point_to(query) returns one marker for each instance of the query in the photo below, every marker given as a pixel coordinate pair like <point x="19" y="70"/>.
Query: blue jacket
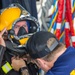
<point x="65" y="64"/>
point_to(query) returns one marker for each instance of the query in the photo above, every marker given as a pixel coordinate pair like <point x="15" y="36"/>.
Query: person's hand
<point x="17" y="63"/>
<point x="2" y="42"/>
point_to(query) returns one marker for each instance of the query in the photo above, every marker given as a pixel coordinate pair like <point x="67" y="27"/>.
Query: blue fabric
<point x="64" y="64"/>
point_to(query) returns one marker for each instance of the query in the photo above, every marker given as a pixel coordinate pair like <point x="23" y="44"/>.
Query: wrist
<point x="23" y="68"/>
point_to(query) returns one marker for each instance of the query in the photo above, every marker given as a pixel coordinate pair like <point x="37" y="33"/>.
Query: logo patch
<point x="72" y="72"/>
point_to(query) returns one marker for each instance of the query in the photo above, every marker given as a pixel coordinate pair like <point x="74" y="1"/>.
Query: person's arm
<point x="2" y="45"/>
<point x="2" y="50"/>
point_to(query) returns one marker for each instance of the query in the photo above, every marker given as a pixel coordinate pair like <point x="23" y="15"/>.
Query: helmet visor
<point x="24" y="28"/>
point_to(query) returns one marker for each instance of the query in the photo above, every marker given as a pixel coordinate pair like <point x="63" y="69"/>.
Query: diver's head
<point x="20" y="26"/>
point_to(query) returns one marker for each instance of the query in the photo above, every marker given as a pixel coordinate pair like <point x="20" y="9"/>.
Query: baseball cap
<point x="37" y="44"/>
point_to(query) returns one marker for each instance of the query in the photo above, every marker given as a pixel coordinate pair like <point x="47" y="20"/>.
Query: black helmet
<point x="37" y="44"/>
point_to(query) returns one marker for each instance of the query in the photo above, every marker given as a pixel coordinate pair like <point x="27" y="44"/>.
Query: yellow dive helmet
<point x="10" y="17"/>
<point x="10" y="14"/>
